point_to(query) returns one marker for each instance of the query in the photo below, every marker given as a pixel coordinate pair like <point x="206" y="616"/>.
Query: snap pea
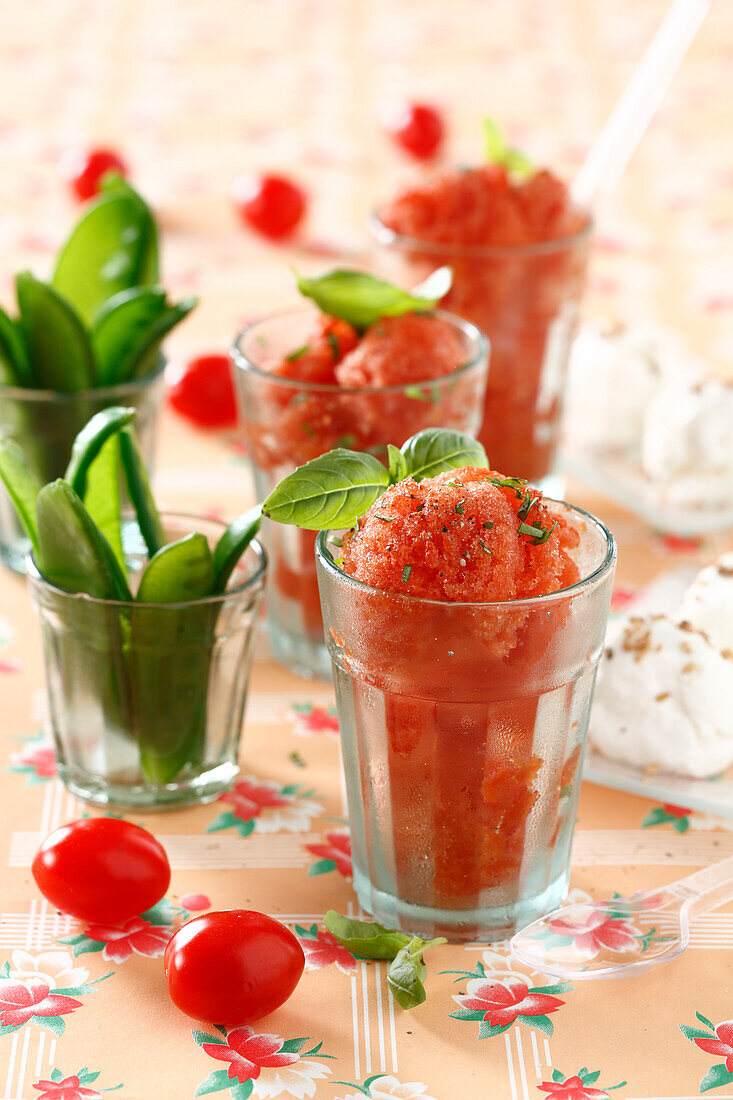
<point x="91" y="439"/>
<point x="59" y="351"/>
<point x="232" y="545"/>
<point x="139" y="491"/>
<point x="23" y="484"/>
<point x="14" y="366"/>
<point x="102" y="495"/>
<point x="118" y="328"/>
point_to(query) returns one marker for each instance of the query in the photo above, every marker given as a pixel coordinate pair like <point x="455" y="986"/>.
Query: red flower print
<point x="249" y="1053"/>
<point x="249" y="798"/>
<point x="337" y="848"/>
<point x="572" y="1088"/>
<point x="195" y="902"/>
<point x="325" y="950"/>
<point x="136" y="934"/>
<point x="312" y="720"/>
<point x="623" y="595"/>
<point x="11" y="664"/>
<point x="19" y="1001"/>
<point x="675" y="811"/>
<point x="722" y="1046"/>
<point x="597" y="931"/>
<point x="68" y="1088"/>
<point x="39" y="758"/>
<point x="502" y="1002"/>
<point x="677" y="544"/>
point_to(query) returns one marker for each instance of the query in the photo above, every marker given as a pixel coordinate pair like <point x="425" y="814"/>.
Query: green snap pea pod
<point x="90" y="657"/>
<point x="89" y="443"/>
<point x="111" y="248"/>
<point x="170" y="653"/>
<point x="59" y="351"/>
<point x="23" y="484"/>
<point x="232" y="545"/>
<point x="118" y="328"/>
<point x="14" y="366"/>
<point x="102" y="495"/>
<point x="139" y="491"/>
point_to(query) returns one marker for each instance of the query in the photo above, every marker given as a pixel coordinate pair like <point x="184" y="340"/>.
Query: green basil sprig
<point x="363" y="299"/>
<point x="337" y="488"/>
<point x="368" y="940"/>
<point x="498" y="152"/>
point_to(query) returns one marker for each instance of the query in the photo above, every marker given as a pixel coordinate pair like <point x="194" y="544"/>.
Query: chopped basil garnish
<point x="406" y="574"/>
<point x="498" y="152"/>
<point x="297" y="354"/>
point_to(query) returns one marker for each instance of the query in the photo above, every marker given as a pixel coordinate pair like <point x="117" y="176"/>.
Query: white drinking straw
<point x="637" y="106"/>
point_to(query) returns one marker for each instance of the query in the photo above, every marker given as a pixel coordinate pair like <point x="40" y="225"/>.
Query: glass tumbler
<point x="463" y="727"/>
<point x="288" y="422"/>
<point x="146" y="700"/>
<point x="526" y="299"/>
<point x="44" y="423"/>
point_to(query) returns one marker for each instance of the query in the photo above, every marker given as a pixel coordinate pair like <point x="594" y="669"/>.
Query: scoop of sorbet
<point x="462" y="536"/>
<point x="399" y="350"/>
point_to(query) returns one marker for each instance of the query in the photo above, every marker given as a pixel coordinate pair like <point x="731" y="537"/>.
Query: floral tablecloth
<point x="194" y="93"/>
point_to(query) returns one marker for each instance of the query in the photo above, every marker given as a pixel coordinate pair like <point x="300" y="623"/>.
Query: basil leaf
<point x="406" y="974"/>
<point x="397" y="464"/>
<point x="365" y="938"/>
<point x="59" y="351"/>
<point x="89" y="443"/>
<point x="140" y="493"/>
<point x="111" y="248"/>
<point x="362" y="299"/>
<point x="498" y="152"/>
<point x="23" y="484"/>
<point x="102" y="495"/>
<point x="117" y="328"/>
<point x="435" y="450"/>
<point x="72" y="552"/>
<point x="232" y="545"/>
<point x="14" y="366"/>
<point x="333" y="490"/>
<point x="179" y="572"/>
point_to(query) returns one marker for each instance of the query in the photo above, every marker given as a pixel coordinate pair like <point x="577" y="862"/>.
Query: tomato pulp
<point x="518" y="251"/>
<point x="462" y="722"/>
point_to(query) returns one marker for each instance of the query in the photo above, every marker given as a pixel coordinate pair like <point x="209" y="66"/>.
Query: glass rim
<point x="325" y="558"/>
<point x="390" y="238"/>
<point x="257" y="578"/>
<point x="100" y="393"/>
<point x="479" y="340"/>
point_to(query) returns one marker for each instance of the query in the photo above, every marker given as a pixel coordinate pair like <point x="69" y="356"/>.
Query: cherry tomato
<point x="85" y="168"/>
<point x="232" y="967"/>
<point x="416" y="127"/>
<point x="204" y="393"/>
<point x="101" y="869"/>
<point x="272" y="205"/>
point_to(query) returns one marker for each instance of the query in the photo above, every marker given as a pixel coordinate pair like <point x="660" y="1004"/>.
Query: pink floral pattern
<point x="135" y="935"/>
<point x="261" y="1065"/>
<point x="265" y="806"/>
<point x="36" y="760"/>
<point x="21" y="1001"/>
<point x="716" y="1039"/>
<point x="501" y="1003"/>
<point x="677" y="816"/>
<point x="322" y="949"/>
<point x="310" y="721"/>
<point x="334" y="854"/>
<point x="598" y="930"/>
<point x="578" y="1087"/>
<point x="248" y="1053"/>
<point x="73" y="1087"/>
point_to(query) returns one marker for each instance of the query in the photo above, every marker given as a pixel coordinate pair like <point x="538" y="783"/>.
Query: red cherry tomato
<point x="232" y="967"/>
<point x="101" y="869"/>
<point x="272" y="205"/>
<point x="416" y="127"/>
<point x="204" y="393"/>
<point x="85" y="168"/>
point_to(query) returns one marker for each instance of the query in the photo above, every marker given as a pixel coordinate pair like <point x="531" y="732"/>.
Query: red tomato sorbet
<point x="491" y="228"/>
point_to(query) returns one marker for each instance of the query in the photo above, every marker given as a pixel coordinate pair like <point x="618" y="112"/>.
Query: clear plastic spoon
<point x="622" y="936"/>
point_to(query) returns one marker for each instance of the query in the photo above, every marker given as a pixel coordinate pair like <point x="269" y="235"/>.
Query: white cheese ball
<point x="664" y="700"/>
<point x="613" y="374"/>
<point x="687" y="444"/>
<point x="708" y="602"/>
